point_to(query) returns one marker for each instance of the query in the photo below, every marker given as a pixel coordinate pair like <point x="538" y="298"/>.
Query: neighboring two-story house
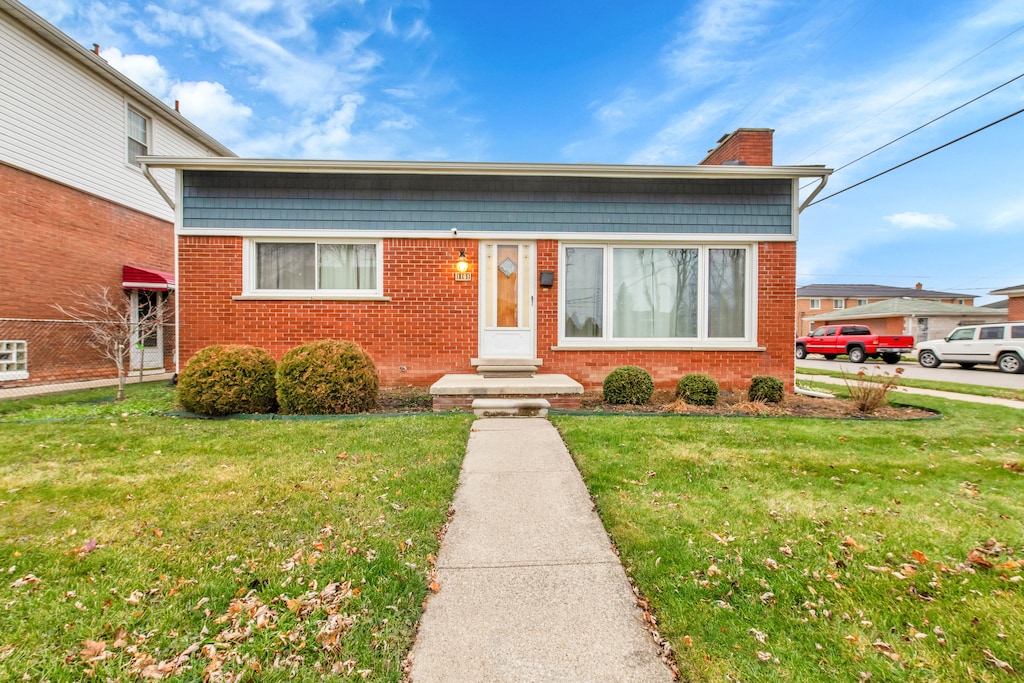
<point x="435" y="268"/>
<point x="815" y="300"/>
<point x="77" y="209"/>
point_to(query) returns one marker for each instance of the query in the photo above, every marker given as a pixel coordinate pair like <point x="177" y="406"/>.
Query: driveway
<point x="987" y="376"/>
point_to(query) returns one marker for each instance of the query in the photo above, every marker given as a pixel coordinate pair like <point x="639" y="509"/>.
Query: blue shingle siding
<point x="278" y="202"/>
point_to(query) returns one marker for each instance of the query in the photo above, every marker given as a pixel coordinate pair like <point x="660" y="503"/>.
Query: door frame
<point x="149" y="358"/>
<point x="527" y="282"/>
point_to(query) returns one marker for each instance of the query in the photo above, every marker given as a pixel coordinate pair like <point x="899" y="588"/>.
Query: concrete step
<point x="510" y="407"/>
<point x="458" y="392"/>
<point x="506" y="370"/>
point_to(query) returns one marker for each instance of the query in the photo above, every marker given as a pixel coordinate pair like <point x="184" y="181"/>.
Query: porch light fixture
<point x="462" y="263"/>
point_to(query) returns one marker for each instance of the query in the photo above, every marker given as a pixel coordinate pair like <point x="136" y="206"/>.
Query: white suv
<point x="1001" y="344"/>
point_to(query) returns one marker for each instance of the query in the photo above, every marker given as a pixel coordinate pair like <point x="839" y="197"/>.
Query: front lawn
<point x="955" y="387"/>
<point x="820" y="550"/>
<point x="138" y="546"/>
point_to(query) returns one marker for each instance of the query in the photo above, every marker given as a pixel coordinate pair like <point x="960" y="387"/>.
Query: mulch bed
<point x="736" y="404"/>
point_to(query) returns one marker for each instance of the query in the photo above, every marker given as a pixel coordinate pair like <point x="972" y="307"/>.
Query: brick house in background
<point x="923" y="319"/>
<point x="77" y="208"/>
<point x="1015" y="301"/>
<point x="815" y="300"/>
<point x="437" y="268"/>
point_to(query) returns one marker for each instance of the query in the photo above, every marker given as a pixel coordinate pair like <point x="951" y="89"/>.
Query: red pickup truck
<point x="856" y="341"/>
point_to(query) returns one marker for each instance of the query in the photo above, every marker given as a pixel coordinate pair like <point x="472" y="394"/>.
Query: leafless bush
<point x="871" y="392"/>
<point x="113" y="325"/>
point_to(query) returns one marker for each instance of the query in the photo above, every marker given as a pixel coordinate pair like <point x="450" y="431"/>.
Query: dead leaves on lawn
<point x="317" y="615"/>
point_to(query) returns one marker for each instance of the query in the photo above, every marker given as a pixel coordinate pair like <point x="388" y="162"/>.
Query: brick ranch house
<point x="435" y="268"/>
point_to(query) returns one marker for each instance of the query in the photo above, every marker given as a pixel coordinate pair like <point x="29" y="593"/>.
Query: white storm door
<point x="147" y="352"/>
<point x="507" y="307"/>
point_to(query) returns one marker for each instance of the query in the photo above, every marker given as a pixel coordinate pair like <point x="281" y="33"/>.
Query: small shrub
<point x="871" y="392"/>
<point x="766" y="389"/>
<point x="327" y="378"/>
<point x="220" y="380"/>
<point x="697" y="389"/>
<point x="628" y="385"/>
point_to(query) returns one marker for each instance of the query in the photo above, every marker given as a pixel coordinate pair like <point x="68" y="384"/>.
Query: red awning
<point x="146" y="278"/>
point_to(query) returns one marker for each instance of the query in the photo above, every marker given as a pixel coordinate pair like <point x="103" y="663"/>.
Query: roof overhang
<point x="481" y="168"/>
<point x="1017" y="290"/>
<point x="133" y="277"/>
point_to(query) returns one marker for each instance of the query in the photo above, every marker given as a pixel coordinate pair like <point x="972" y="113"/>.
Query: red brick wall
<point x="58" y="241"/>
<point x="1015" y="309"/>
<point x="752" y="146"/>
<point x="430" y="324"/>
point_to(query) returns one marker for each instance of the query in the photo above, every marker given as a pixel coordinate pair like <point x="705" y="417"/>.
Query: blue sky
<point x="563" y="81"/>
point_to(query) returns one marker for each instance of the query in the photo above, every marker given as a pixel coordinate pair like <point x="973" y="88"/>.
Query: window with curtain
<point x="316" y="267"/>
<point x="659" y="293"/>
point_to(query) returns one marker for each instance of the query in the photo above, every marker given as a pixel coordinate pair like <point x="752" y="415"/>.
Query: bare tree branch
<point x="113" y="326"/>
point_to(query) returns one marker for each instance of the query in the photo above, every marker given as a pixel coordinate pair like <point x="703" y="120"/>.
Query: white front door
<point x="507" y="309"/>
<point x="147" y="348"/>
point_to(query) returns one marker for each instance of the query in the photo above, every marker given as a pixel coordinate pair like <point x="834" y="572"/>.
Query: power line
<point x="924" y="125"/>
<point x="909" y="95"/>
<point x="919" y="156"/>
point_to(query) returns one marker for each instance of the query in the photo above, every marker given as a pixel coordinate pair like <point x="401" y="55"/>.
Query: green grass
<point x="155" y="534"/>
<point x="956" y="387"/>
<point x="842" y="544"/>
<point x="150" y="398"/>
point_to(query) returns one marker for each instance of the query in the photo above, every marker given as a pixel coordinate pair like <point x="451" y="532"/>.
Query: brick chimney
<point x="918" y="286"/>
<point x="744" y="147"/>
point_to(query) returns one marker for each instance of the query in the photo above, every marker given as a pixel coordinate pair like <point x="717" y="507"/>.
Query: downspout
<point x="170" y="202"/>
<point x="819" y="188"/>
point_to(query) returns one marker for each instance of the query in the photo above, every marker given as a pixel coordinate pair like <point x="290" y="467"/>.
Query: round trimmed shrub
<point x="327" y="378"/>
<point x="628" y="385"/>
<point x="766" y="389"/>
<point x="697" y="389"/>
<point x="225" y="379"/>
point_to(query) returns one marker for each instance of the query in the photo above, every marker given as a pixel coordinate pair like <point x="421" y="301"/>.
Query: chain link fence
<point x="44" y="356"/>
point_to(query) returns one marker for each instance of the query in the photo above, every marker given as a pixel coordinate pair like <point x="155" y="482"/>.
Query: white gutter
<point x="819" y="188"/>
<point x="482" y="168"/>
<point x="155" y="184"/>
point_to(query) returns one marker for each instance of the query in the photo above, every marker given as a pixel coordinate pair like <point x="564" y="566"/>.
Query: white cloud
<point x="1010" y="214"/>
<point x="912" y="220"/>
<point x="707" y="50"/>
<point x="211" y="107"/>
<point x="145" y="70"/>
<point x="329" y="138"/>
<point x="672" y="144"/>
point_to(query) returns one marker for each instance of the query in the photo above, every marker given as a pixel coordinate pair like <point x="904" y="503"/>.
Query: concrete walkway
<point x="954" y="396"/>
<point x="530" y="589"/>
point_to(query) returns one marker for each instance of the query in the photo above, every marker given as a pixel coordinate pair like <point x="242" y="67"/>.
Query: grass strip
<point x="956" y="387"/>
<point x="809" y="550"/>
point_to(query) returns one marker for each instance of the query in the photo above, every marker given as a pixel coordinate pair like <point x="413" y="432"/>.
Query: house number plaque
<point x="463" y="277"/>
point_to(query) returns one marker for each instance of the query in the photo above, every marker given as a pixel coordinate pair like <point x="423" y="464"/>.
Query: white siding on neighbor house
<point x="61" y="121"/>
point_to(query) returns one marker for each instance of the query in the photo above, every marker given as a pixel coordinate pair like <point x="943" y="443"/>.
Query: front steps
<point x="506" y="367"/>
<point x="519" y="395"/>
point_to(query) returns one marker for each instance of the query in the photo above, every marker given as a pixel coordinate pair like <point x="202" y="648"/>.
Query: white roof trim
<point x="480" y="168"/>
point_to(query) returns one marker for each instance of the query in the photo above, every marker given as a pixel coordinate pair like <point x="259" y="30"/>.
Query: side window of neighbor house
<point x="138" y="136"/>
<point x="620" y="294"/>
<point x="13" y="359"/>
<point x="815" y="304"/>
<point x="316" y="267"/>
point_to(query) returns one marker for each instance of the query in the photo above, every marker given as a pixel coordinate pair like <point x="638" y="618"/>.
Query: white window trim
<point x="702" y="341"/>
<point x="11" y="375"/>
<point x="862" y="302"/>
<point x="249" y="290"/>
<point x="130" y="106"/>
<point x="815" y="304"/>
<point x="838" y="304"/>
